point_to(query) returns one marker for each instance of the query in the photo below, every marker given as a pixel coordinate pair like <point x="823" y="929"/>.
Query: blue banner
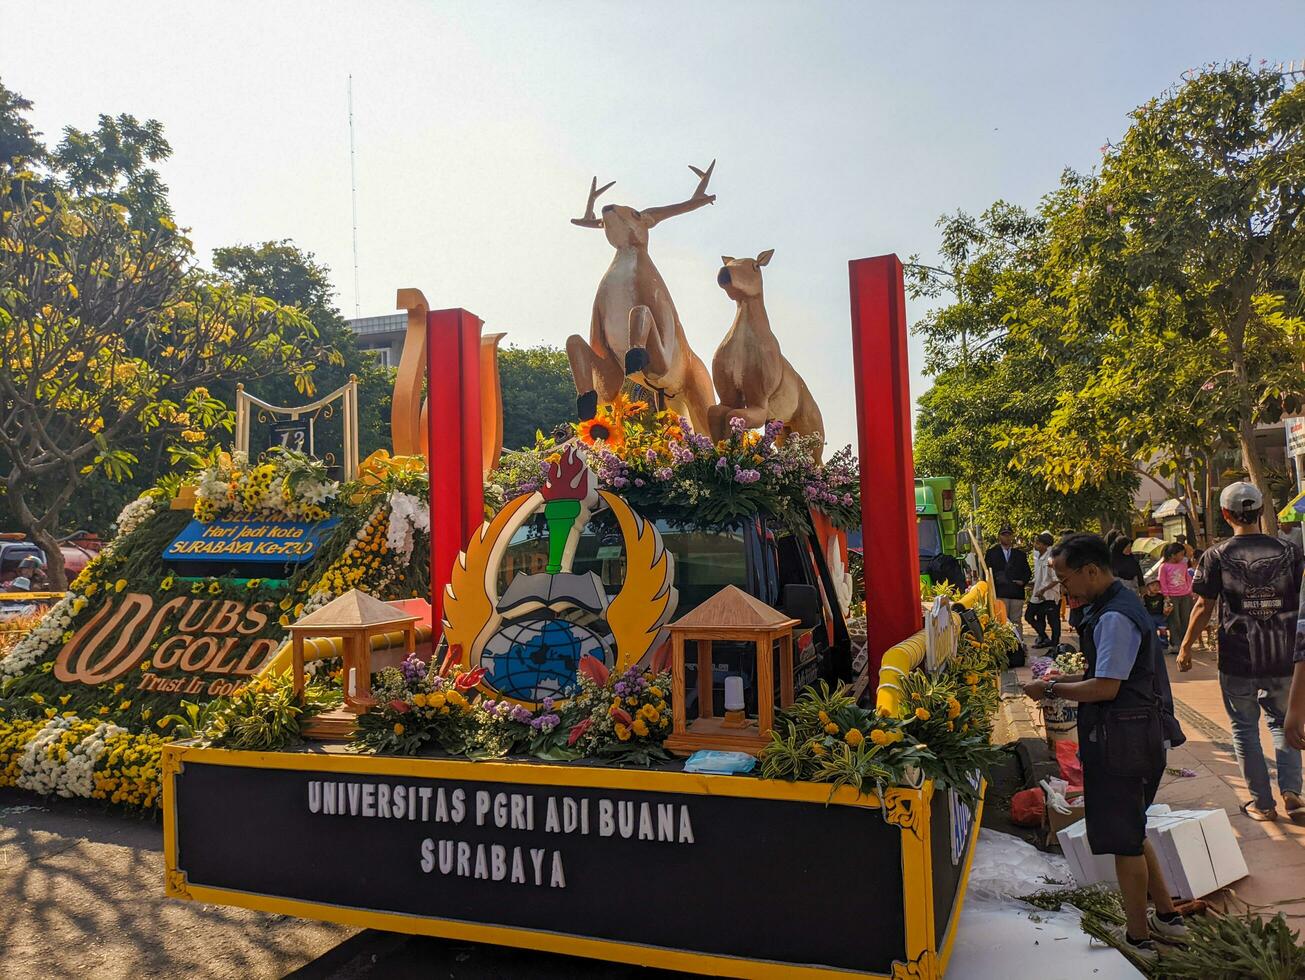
<point x="274" y="542"/>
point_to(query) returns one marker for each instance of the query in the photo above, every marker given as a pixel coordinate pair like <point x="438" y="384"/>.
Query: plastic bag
<point x="1027" y="807"/>
<point x="726" y="763"/>
<point x="1071" y="769"/>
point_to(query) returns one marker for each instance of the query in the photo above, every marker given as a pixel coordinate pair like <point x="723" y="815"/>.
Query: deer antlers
<point x="589" y="220"/>
<point x="705" y="175"/>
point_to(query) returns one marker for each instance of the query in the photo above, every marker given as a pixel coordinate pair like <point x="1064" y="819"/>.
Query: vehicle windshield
<point x="705" y="561"/>
<point x="930" y="534"/>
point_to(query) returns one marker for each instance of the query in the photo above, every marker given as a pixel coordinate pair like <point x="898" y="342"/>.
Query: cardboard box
<point x="1089" y="868"/>
<point x="1057" y="821"/>
<point x="1198" y="851"/>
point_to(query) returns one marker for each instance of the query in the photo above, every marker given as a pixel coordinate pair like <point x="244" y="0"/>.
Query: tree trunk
<point x="54" y="570"/>
<point x="1190" y="506"/>
<point x="40" y="529"/>
<point x="1207" y="505"/>
<point x="1246" y="408"/>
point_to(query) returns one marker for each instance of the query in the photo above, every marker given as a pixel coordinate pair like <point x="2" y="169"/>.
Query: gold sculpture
<point x="754" y="380"/>
<point x="408" y="419"/>
<point x="635" y="331"/>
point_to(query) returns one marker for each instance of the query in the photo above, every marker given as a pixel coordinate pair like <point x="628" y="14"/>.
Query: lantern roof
<point x="732" y="608"/>
<point x="354" y="610"/>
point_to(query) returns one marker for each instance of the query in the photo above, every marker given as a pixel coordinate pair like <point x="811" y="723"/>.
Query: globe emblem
<point x="534" y="659"/>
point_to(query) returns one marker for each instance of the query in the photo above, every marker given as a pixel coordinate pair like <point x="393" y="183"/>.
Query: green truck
<point x="942" y="542"/>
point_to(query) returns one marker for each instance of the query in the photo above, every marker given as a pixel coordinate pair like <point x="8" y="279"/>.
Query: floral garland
<point x="289" y="486"/>
<point x="658" y="462"/>
<point x="69" y="757"/>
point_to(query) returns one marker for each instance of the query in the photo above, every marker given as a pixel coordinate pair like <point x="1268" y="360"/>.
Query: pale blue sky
<point x="842" y="130"/>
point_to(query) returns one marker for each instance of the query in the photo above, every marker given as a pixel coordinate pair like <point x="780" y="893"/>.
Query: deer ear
<point x="726" y="259"/>
<point x="764" y="257"/>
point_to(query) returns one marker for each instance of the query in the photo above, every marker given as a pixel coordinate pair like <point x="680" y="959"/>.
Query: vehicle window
<point x="930" y="534"/>
<point x="793" y="567"/>
<point x="705" y="561"/>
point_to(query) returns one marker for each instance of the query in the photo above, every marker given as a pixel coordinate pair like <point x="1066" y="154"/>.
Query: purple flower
<point x="847" y="500"/>
<point x="619" y="481"/>
<point x="698" y="441"/>
<point x="547" y="704"/>
<point x="722" y="463"/>
<point x="638" y="482"/>
<point x="745" y="476"/>
<point x="662" y="473"/>
<point x="620" y="688"/>
<point x="650" y="456"/>
<point x="737" y="425"/>
<point x="773" y="428"/>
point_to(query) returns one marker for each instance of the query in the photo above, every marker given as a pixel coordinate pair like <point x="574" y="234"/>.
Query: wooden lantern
<point x="355" y="618"/>
<point x="730" y="614"/>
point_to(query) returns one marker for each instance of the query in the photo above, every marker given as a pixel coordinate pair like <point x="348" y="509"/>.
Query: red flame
<point x="569" y="478"/>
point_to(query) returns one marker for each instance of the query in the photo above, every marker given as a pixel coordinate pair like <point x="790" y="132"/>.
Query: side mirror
<point x="802" y="602"/>
<point x="963" y="540"/>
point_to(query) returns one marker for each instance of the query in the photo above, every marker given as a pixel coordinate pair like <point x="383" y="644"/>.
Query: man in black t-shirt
<point x="1256" y="580"/>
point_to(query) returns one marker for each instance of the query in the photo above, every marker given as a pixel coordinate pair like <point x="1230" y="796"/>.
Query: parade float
<point x="459" y="699"/>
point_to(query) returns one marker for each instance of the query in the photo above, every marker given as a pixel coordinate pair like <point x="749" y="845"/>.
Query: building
<point x="383" y="335"/>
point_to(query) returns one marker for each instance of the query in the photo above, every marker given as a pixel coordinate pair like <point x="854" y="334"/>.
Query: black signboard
<point x="291" y="434"/>
<point x="762" y="879"/>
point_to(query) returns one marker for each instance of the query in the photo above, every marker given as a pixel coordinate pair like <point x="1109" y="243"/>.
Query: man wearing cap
<point x="1010" y="573"/>
<point x="1255" y="578"/>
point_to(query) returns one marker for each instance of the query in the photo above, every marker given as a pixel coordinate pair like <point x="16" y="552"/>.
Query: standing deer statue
<point x="635" y="331"/>
<point x="754" y="380"/>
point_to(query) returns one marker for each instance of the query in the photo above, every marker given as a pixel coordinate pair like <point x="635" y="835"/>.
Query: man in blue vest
<point x="1121" y="734"/>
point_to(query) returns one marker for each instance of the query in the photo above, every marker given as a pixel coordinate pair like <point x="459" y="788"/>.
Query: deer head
<point x="626" y="227"/>
<point x="741" y="278"/>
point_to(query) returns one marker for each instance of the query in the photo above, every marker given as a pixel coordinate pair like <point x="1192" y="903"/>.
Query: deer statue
<point x="754" y="380"/>
<point x="635" y="331"/>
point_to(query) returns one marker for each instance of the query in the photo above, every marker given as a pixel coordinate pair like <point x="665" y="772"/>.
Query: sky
<point x="841" y="130"/>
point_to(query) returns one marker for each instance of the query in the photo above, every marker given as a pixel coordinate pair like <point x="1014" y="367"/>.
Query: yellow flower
<point x="831" y="728"/>
<point x="922" y="714"/>
<point x="398" y="728"/>
<point x="854" y="738"/>
<point x="817" y="749"/>
<point x="51" y="712"/>
<point x="649" y="712"/>
<point x="971" y="678"/>
<point x="104" y="710"/>
<point x="951" y="726"/>
<point x="91" y="588"/>
<point x="622" y="732"/>
<point x="632" y="701"/>
<point x="214" y="588"/>
<point x="640" y="727"/>
<point x="655" y="691"/>
<point x="878" y="736"/>
<point x="124" y="705"/>
<point x="284" y="620"/>
<point x="119" y="585"/>
<point x="436" y="700"/>
<point x="64" y="699"/>
<point x="166" y="583"/>
<point x="419" y="700"/>
<point x="145" y="665"/>
<point x="824" y="718"/>
<point x="953" y="708"/>
<point x="37" y="699"/>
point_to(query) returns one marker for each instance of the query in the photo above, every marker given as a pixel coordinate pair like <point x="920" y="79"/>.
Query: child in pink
<point x="1176" y="587"/>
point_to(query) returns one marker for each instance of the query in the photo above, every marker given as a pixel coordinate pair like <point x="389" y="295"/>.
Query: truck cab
<point x="785" y="570"/>
<point x="938" y="526"/>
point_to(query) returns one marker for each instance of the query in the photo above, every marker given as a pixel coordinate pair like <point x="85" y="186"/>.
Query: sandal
<point x="1294" y="806"/>
<point x="1255" y="813"/>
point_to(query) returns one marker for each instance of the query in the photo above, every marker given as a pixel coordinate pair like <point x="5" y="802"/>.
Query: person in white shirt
<point x="1044" y="605"/>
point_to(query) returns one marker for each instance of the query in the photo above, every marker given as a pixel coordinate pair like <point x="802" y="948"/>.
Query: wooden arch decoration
<point x="408" y="418"/>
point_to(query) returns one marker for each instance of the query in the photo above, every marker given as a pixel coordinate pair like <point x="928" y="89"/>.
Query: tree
<point x="538" y="393"/>
<point x="292" y="277"/>
<point x="1180" y="262"/>
<point x="999" y="364"/>
<point x="108" y="333"/>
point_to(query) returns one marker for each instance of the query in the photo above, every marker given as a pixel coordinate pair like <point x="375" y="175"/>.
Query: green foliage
<point x="538" y="393"/>
<point x="263" y="716"/>
<point x="293" y="277"/>
<point x="1226" y="947"/>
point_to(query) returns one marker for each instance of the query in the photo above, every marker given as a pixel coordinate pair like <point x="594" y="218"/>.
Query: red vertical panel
<point x="472" y="465"/>
<point x="444" y="411"/>
<point x="883" y="418"/>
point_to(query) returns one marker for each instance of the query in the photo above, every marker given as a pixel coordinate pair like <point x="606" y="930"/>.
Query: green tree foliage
<point x="999" y="364"/>
<point x="292" y="277"/>
<point x="109" y="335"/>
<point x="1179" y="266"/>
<point x="538" y="393"/>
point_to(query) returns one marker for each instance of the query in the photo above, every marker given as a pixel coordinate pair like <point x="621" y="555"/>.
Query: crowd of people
<point x="1127" y="618"/>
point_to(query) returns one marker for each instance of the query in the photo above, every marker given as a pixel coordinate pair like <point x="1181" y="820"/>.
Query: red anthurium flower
<point x="402" y="707"/>
<point x="621" y="715"/>
<point x="594" y="669"/>
<point x="470" y="679"/>
<point x="579" y="729"/>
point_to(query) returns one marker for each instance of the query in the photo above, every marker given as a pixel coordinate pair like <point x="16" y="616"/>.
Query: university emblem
<point x="530" y="637"/>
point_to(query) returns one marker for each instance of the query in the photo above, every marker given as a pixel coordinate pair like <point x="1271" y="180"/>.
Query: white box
<point x="1198" y="851"/>
<point x="1089" y="868"/>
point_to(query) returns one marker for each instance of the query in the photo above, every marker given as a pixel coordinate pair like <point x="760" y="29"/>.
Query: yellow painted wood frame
<point x="908" y="809"/>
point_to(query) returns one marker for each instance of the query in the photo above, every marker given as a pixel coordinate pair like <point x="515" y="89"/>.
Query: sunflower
<point x="601" y="430"/>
